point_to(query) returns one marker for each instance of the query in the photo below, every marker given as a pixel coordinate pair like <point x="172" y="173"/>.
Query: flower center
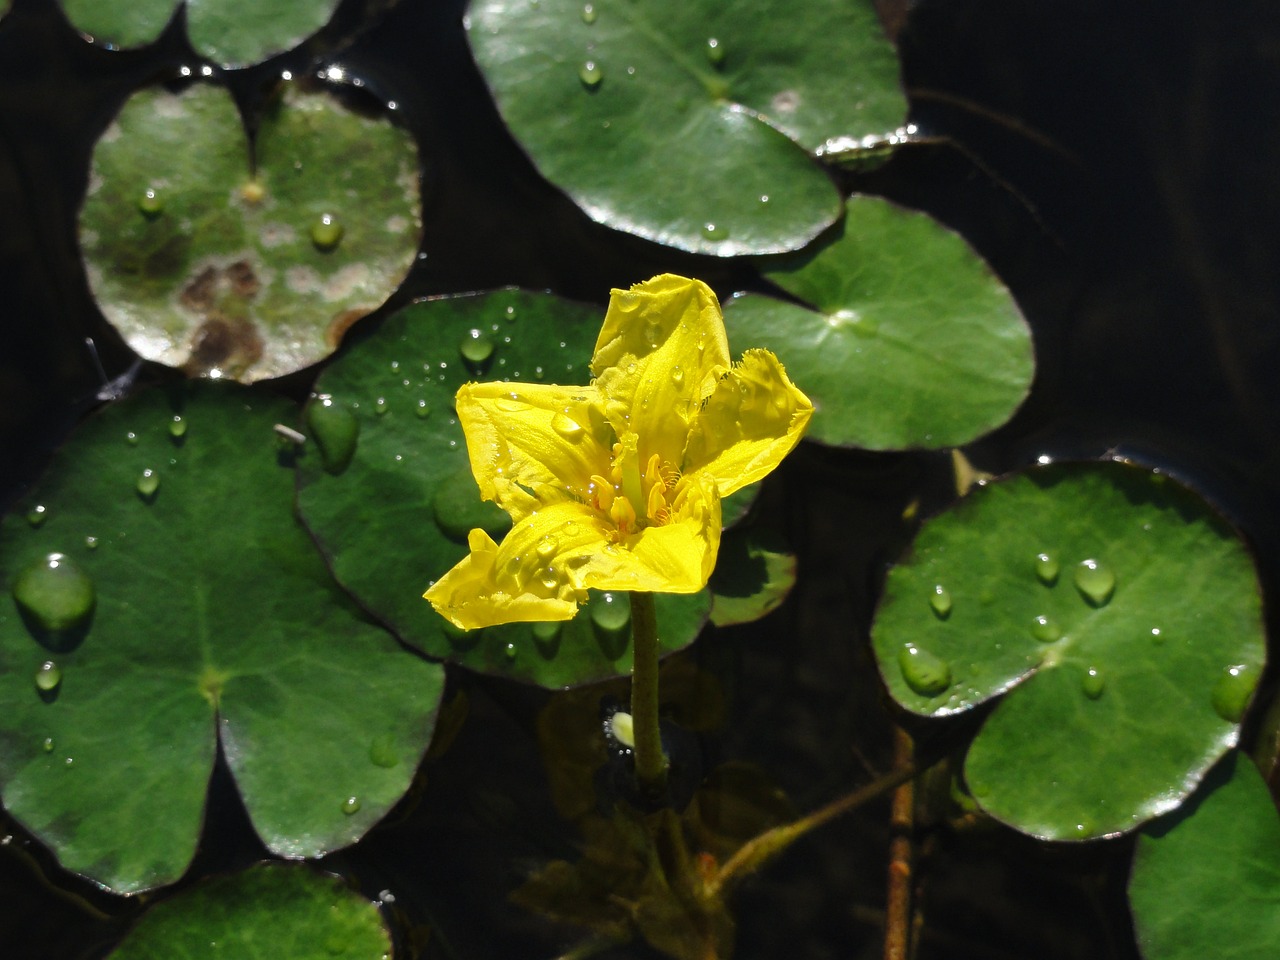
<point x="634" y="498"/>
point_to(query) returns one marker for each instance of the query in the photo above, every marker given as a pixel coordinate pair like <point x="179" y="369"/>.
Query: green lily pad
<point x="396" y="516"/>
<point x="204" y="265"/>
<point x="229" y="32"/>
<point x="1207" y="882"/>
<point x="267" y="912"/>
<point x="691" y="124"/>
<point x="908" y="340"/>
<point x="187" y="605"/>
<point x="754" y="573"/>
<point x="1122" y="609"/>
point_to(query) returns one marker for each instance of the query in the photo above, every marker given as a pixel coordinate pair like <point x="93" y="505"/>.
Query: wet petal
<point x="527" y="576"/>
<point x="661" y="350"/>
<point x="533" y="444"/>
<point x="750" y="422"/>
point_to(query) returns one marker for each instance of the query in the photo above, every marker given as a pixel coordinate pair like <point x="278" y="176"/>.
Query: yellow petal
<point x="527" y="576"/>
<point x="748" y="424"/>
<point x="661" y="350"/>
<point x="532" y="444"/>
<point x="677" y="557"/>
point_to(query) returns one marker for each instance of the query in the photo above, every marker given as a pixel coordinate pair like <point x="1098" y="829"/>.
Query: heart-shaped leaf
<point x="267" y="912"/>
<point x="1123" y="610"/>
<point x="229" y="32"/>
<point x="691" y="123"/>
<point x="387" y="406"/>
<point x="908" y="340"/>
<point x="202" y="264"/>
<point x="160" y="595"/>
<point x="1206" y="882"/>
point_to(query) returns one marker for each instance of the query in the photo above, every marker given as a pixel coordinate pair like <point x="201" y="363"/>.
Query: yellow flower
<point x="616" y="485"/>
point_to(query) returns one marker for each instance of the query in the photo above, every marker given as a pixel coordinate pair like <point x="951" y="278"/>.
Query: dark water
<point x="1116" y="164"/>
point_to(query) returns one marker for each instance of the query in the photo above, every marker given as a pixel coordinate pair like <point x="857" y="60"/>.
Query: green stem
<point x="651" y="762"/>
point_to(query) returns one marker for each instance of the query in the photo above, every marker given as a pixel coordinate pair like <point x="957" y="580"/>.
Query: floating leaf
<point x="229" y="32"/>
<point x="267" y="912"/>
<point x="202" y="264"/>
<point x="754" y="573"/>
<point x="908" y="339"/>
<point x="691" y="124"/>
<point x="1206" y="883"/>
<point x="1124" y="611"/>
<point x="211" y="614"/>
<point x="410" y="461"/>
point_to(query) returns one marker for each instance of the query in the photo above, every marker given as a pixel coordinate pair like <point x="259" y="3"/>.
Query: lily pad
<point x="396" y="516"/>
<point x="203" y="612"/>
<point x="229" y="32"/>
<point x="691" y="124"/>
<point x="905" y="338"/>
<point x="1122" y="609"/>
<point x="1207" y="882"/>
<point x="754" y="573"/>
<point x="226" y="270"/>
<point x="266" y="912"/>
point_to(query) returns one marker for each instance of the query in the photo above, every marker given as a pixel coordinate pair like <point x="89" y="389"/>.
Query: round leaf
<point x="209" y="613"/>
<point x="754" y="573"/>
<point x="229" y="32"/>
<point x="410" y="458"/>
<point x="1124" y="611"/>
<point x="203" y="265"/>
<point x="691" y="124"/>
<point x="267" y="912"/>
<point x="1207" y="883"/>
<point x="908" y="339"/>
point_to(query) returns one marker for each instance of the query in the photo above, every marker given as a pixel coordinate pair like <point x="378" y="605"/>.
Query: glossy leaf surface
<point x="209" y="614"/>
<point x="907" y="339"/>
<point x="396" y="517"/>
<point x="226" y="270"/>
<point x="1120" y="615"/>
<point x="690" y="124"/>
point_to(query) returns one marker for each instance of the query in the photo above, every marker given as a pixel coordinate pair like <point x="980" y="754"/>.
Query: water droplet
<point x="715" y="52"/>
<point x="48" y="677"/>
<point x="380" y="406"/>
<point x="351" y="805"/>
<point x="510" y="651"/>
<point x="591" y="75"/>
<point x="714" y="231"/>
<point x="589" y="14"/>
<point x="151" y="203"/>
<point x="1045" y="630"/>
<point x="1095" y="581"/>
<point x="91" y="542"/>
<point x="611" y="614"/>
<point x="131" y="438"/>
<point x="326" y="233"/>
<point x="47" y="745"/>
<point x="477" y="351"/>
<point x="1093" y="683"/>
<point x="924" y="673"/>
<point x="37" y="515"/>
<point x="1232" y="692"/>
<point x="1047" y="567"/>
<point x="677" y="375"/>
<point x="940" y="600"/>
<point x="177" y="427"/>
<point x="382" y="751"/>
<point x="55" y="592"/>
<point x="148" y="483"/>
<point x="547" y="547"/>
<point x="567" y="427"/>
<point x="1156" y="635"/>
<point x="422" y="409"/>
<point x="336" y="431"/>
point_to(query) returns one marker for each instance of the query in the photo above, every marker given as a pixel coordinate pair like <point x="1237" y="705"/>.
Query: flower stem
<point x="651" y="762"/>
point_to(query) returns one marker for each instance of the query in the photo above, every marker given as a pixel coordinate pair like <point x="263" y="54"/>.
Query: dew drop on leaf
<point x="567" y="427"/>
<point x="351" y="805"/>
<point x="925" y="673"/>
<point x="611" y="614"/>
<point x="715" y="52"/>
<point x="589" y="14"/>
<point x="510" y="651"/>
<point x="47" y="745"/>
<point x="148" y="484"/>
<point x="91" y="542"/>
<point x="1232" y="692"/>
<point x="591" y="75"/>
<point x="382" y="751"/>
<point x="1093" y="683"/>
<point x="1047" y="567"/>
<point x="715" y="231"/>
<point x="48" y="677"/>
<point x="55" y="592"/>
<point x="1095" y="581"/>
<point x="326" y="233"/>
<point x="37" y="515"/>
<point x="477" y="351"/>
<point x="421" y="409"/>
<point x="940" y="601"/>
<point x="335" y="430"/>
<point x="151" y="203"/>
<point x="177" y="427"/>
<point x="1045" y="630"/>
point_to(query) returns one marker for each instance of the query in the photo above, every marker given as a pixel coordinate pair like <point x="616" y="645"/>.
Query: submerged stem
<point x="651" y="762"/>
